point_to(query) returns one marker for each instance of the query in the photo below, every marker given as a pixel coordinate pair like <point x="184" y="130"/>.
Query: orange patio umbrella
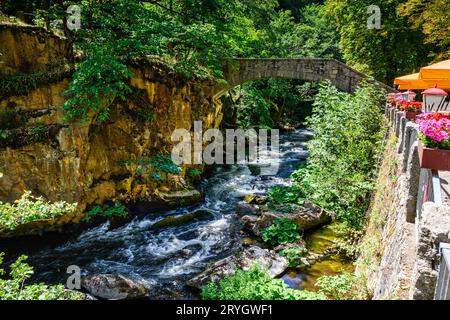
<point x="407" y="79"/>
<point x="424" y="84"/>
<point x="439" y="71"/>
<point x="435" y="75"/>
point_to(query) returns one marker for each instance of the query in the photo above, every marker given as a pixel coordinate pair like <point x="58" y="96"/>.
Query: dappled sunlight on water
<point x="318" y="241"/>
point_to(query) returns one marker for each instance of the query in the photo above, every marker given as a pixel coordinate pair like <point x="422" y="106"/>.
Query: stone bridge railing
<point x="428" y="207"/>
<point x="241" y="70"/>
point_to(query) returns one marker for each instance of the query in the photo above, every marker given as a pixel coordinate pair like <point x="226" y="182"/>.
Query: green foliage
<point x="286" y="194"/>
<point x="283" y="230"/>
<point x="254" y="109"/>
<point x="29" y="208"/>
<point x="14" y="288"/>
<point x="97" y="82"/>
<point x="346" y="286"/>
<point x="193" y="173"/>
<point x="384" y="53"/>
<point x="157" y="177"/>
<point x="118" y="210"/>
<point x="37" y="133"/>
<point x="146" y="115"/>
<point x="265" y="103"/>
<point x="189" y="37"/>
<point x="293" y="254"/>
<point x="431" y="17"/>
<point x="94" y="212"/>
<point x="339" y="175"/>
<point x="347" y="243"/>
<point x="21" y="84"/>
<point x="7" y="137"/>
<point x="24" y="135"/>
<point x="165" y="164"/>
<point x="254" y="284"/>
<point x="9" y="119"/>
<point x="155" y="168"/>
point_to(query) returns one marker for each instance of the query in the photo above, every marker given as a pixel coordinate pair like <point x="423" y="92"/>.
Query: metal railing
<point x="443" y="282"/>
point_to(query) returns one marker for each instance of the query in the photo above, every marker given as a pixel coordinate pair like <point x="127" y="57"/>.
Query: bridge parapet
<point x="242" y="70"/>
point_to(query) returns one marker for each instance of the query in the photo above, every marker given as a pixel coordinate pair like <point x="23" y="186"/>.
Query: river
<point x="164" y="259"/>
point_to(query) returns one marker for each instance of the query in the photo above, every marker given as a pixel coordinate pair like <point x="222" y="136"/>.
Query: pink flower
<point x="434" y="125"/>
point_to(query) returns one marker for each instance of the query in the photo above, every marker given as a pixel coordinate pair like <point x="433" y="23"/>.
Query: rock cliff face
<point x="26" y="49"/>
<point x="91" y="163"/>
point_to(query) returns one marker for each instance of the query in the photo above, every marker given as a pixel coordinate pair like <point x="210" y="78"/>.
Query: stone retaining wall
<point x="416" y="257"/>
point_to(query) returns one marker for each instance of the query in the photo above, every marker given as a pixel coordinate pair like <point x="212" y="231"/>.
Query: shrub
<point x="286" y="194"/>
<point x="254" y="284"/>
<point x="282" y="231"/>
<point x="293" y="255"/>
<point x="96" y="84"/>
<point x="14" y="288"/>
<point x="346" y="286"/>
<point x="165" y="164"/>
<point x="347" y="240"/>
<point x="29" y="208"/>
<point x="157" y="177"/>
<point x="118" y="210"/>
<point x="193" y="173"/>
<point x="343" y="153"/>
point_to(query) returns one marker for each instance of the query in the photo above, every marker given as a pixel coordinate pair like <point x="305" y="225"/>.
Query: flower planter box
<point x="437" y="159"/>
<point x="411" y="115"/>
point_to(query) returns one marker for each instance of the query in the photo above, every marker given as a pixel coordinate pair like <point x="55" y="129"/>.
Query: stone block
<point x="402" y="135"/>
<point x="411" y="134"/>
<point x="433" y="229"/>
<point x="413" y="175"/>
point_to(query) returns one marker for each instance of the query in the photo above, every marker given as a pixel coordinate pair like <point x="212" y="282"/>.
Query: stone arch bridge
<point x="242" y="70"/>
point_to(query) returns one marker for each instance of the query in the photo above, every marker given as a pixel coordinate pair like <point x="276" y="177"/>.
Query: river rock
<point x="306" y="216"/>
<point x="180" y="198"/>
<point x="113" y="287"/>
<point x="255" y="199"/>
<point x="245" y="259"/>
<point x="255" y="170"/>
<point x="171" y="221"/>
<point x="243" y="209"/>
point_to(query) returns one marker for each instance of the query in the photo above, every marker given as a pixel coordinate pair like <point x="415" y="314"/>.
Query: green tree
<point x="384" y="53"/>
<point x="343" y="153"/>
<point x="432" y="18"/>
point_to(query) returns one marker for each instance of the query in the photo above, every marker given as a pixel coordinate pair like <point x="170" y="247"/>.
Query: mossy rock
<point x="255" y="199"/>
<point x="173" y="221"/>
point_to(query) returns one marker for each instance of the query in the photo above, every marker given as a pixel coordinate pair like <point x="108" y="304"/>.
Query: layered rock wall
<point x="90" y="163"/>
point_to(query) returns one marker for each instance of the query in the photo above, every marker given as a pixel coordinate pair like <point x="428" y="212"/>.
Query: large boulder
<point x="306" y="216"/>
<point x="113" y="287"/>
<point x="243" y="209"/>
<point x="245" y="259"/>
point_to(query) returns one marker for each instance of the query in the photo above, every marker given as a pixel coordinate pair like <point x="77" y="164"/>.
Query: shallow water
<point x="164" y="259"/>
<point x="318" y="241"/>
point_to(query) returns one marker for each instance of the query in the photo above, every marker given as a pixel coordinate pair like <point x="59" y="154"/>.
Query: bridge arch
<point x="242" y="70"/>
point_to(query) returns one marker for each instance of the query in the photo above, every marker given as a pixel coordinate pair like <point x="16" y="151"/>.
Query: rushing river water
<point x="164" y="259"/>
